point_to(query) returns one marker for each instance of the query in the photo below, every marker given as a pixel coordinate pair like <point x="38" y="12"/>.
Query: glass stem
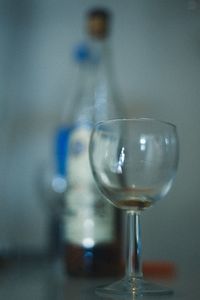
<point x="133" y="255"/>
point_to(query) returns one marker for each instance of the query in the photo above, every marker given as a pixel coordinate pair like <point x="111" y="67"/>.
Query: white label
<point x="89" y="219"/>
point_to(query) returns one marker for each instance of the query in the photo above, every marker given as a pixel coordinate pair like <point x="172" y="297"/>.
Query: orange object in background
<point x="159" y="270"/>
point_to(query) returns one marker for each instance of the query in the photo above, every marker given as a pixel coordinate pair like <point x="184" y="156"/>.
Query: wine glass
<point x="134" y="162"/>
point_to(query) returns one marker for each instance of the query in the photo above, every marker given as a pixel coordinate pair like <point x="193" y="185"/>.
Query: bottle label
<point x="88" y="219"/>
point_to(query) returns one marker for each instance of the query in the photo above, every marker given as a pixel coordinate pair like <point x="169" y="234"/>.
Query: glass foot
<point x="132" y="287"/>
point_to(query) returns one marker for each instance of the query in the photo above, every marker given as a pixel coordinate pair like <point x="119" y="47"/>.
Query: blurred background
<point x="156" y="56"/>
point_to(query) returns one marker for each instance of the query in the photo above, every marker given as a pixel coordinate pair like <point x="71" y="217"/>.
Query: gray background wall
<point x="156" y="54"/>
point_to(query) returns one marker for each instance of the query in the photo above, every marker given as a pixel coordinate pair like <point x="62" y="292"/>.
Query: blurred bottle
<point x="92" y="229"/>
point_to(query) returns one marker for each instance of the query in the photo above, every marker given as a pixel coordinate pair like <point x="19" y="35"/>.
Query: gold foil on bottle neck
<point x="97" y="27"/>
<point x="98" y="23"/>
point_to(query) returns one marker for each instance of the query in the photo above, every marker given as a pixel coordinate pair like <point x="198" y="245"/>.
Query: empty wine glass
<point x="134" y="162"/>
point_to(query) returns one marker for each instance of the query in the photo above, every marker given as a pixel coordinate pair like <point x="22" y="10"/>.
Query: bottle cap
<point x="98" y="21"/>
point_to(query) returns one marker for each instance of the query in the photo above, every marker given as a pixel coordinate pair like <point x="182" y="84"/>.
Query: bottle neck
<point x="83" y="107"/>
<point x="81" y="95"/>
<point x="96" y="98"/>
<point x="104" y="81"/>
<point x="101" y="57"/>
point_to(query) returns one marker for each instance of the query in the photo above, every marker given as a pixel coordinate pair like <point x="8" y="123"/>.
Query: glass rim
<point x="98" y="124"/>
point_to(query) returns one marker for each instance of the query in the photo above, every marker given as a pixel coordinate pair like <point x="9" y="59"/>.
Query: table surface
<point x="42" y="280"/>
